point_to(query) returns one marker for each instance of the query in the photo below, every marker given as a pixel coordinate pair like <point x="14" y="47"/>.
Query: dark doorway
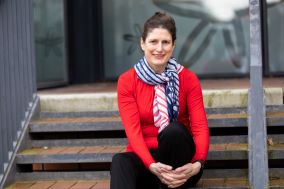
<point x="85" y="41"/>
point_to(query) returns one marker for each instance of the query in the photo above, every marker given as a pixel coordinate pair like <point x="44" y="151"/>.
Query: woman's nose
<point x="159" y="47"/>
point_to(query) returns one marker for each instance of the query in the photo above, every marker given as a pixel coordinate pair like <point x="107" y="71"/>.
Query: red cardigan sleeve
<point x="130" y="117"/>
<point x="197" y="117"/>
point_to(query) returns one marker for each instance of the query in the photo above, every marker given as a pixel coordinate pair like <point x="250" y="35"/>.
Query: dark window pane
<point x="275" y="13"/>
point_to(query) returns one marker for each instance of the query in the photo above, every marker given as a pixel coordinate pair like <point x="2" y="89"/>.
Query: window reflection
<point x="220" y="25"/>
<point x="212" y="36"/>
<point x="49" y="27"/>
<point x="275" y="23"/>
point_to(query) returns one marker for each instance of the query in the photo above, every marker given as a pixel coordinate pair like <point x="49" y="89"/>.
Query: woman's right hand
<point x="158" y="169"/>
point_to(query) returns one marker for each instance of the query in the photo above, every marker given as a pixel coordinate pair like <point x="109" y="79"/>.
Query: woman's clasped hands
<point x="177" y="177"/>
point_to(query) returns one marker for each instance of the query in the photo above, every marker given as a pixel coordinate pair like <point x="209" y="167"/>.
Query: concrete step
<point x="77" y="140"/>
<point x="105" y="184"/>
<point x="221" y="178"/>
<point x="73" y="124"/>
<point x="91" y="154"/>
<point x="87" y="141"/>
<point x="108" y="101"/>
<point x="78" y="154"/>
<point x="63" y="175"/>
<point x="61" y="184"/>
<point x="94" y="175"/>
<point x="68" y="124"/>
<point x="205" y="183"/>
<point x="79" y="114"/>
<point x="101" y="113"/>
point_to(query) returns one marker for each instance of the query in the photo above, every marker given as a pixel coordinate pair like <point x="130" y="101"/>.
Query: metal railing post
<point x="257" y="136"/>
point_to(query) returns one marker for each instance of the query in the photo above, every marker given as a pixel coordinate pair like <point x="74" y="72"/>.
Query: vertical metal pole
<point x="2" y="95"/>
<point x="258" y="162"/>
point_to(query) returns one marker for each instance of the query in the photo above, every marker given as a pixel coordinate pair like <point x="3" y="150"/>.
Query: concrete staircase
<point x="74" y="149"/>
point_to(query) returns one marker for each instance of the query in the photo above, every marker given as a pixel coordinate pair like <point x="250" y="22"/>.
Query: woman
<point x="161" y="107"/>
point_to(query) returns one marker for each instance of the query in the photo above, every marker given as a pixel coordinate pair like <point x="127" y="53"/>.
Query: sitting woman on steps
<point x="161" y="107"/>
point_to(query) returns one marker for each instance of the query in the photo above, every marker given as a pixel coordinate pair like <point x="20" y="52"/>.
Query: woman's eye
<point x="156" y="41"/>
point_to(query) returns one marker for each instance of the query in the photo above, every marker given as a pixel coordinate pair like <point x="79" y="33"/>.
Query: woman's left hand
<point x="189" y="169"/>
<point x="186" y="171"/>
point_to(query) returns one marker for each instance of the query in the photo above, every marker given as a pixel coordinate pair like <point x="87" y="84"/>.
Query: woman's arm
<point x="198" y="120"/>
<point x="131" y="119"/>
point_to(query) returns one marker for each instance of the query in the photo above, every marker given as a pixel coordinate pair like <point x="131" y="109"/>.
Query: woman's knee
<point x="126" y="161"/>
<point x="118" y="161"/>
<point x="121" y="172"/>
<point x="176" y="134"/>
<point x="174" y="130"/>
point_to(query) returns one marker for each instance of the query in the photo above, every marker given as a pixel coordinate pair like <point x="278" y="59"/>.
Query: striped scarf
<point x="165" y="104"/>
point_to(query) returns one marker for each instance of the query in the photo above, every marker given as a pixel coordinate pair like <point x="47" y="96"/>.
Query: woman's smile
<point x="159" y="56"/>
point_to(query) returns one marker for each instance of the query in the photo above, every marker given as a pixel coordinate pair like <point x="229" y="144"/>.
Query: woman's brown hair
<point x="160" y="20"/>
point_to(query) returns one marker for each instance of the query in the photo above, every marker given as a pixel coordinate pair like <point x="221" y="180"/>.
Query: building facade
<point x="87" y="41"/>
<point x="17" y="78"/>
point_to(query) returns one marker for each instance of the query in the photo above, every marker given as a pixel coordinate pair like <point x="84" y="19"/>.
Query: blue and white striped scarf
<point x="168" y="79"/>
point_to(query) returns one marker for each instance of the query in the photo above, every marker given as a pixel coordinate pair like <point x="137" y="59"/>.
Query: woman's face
<point x="158" y="48"/>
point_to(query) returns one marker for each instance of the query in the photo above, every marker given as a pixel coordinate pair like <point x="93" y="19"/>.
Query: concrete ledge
<point x="78" y="102"/>
<point x="274" y="96"/>
<point x="239" y="97"/>
<point x="108" y="101"/>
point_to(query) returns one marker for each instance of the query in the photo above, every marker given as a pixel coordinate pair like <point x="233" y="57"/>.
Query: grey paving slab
<point x="219" y="152"/>
<point x="79" y="142"/>
<point x="72" y="127"/>
<point x="84" y="175"/>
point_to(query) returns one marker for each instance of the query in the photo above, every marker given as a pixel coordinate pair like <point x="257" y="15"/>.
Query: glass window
<point x="212" y="36"/>
<point x="275" y="22"/>
<point x="49" y="27"/>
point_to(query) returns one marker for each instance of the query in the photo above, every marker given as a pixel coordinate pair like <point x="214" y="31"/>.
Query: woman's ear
<point x="174" y="44"/>
<point x="142" y="43"/>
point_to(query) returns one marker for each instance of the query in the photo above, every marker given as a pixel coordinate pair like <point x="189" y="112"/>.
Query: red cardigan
<point x="135" y="103"/>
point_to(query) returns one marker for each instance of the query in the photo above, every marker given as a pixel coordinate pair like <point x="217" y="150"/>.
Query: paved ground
<point x="238" y="83"/>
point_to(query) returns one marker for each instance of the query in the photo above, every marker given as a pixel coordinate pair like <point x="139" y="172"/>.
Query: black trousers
<point x="175" y="147"/>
